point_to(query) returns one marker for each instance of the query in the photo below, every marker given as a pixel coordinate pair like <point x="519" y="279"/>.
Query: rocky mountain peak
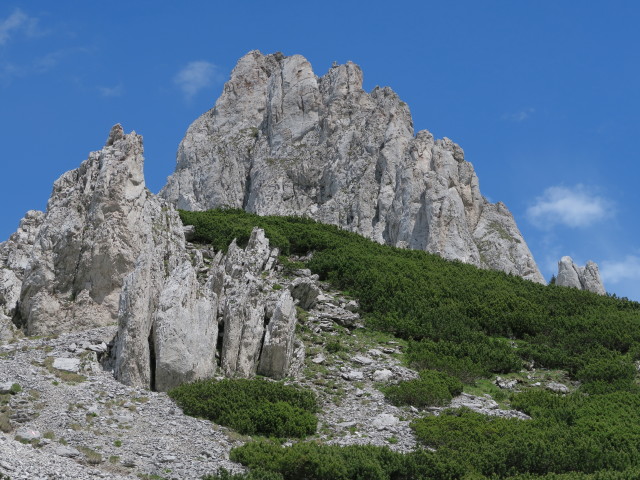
<point x="116" y="133"/>
<point x="282" y="141"/>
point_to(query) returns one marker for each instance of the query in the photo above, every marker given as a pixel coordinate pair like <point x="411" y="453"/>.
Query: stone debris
<point x="67" y="364"/>
<point x="557" y="387"/>
<point x="505" y="383"/>
<point x="481" y="404"/>
<point x="135" y="432"/>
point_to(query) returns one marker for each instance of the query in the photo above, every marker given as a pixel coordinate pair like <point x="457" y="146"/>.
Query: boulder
<point x="383" y="375"/>
<point x="305" y="291"/>
<point x="385" y="421"/>
<point x="27" y="435"/>
<point x="67" y="364"/>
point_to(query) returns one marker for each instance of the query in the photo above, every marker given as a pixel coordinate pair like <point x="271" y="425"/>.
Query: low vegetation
<point x="312" y="461"/>
<point x="431" y="389"/>
<point x="463" y="324"/>
<point x="252" y="407"/>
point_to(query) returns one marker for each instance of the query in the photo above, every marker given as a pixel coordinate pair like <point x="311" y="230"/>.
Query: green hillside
<point x="471" y="323"/>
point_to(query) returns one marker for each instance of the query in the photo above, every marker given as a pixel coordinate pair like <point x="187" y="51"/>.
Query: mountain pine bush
<point x="251" y="407"/>
<point x="466" y="323"/>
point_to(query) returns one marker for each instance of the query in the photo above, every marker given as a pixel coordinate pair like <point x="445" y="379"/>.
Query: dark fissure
<point x="152" y="360"/>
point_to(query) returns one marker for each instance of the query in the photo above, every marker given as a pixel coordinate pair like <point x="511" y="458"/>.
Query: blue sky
<point x="542" y="96"/>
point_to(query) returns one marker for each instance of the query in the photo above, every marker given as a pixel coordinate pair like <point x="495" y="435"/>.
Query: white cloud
<point x="19" y="21"/>
<point x="571" y="207"/>
<point x="520" y="116"/>
<point x="39" y="65"/>
<point x="196" y="76"/>
<point x="620" y="271"/>
<point x="115" y="91"/>
<point x="13" y="22"/>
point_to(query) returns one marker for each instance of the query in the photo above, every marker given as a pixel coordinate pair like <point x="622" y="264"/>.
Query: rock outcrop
<point x="167" y="327"/>
<point x="88" y="240"/>
<point x="109" y="251"/>
<point x="281" y="141"/>
<point x="583" y="278"/>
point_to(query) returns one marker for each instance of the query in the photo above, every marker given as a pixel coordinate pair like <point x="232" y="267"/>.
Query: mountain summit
<point x="282" y="141"/>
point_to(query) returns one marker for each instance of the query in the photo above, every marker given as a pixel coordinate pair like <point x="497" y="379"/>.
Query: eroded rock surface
<point x="282" y="141"/>
<point x="176" y="299"/>
<point x="88" y="240"/>
<point x="583" y="278"/>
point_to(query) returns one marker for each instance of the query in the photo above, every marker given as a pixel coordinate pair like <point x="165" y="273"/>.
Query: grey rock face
<point x="281" y="141"/>
<point x="277" y="349"/>
<point x="167" y="326"/>
<point x="15" y="256"/>
<point x="583" y="278"/>
<point x="259" y="324"/>
<point x="88" y="240"/>
<point x="172" y="305"/>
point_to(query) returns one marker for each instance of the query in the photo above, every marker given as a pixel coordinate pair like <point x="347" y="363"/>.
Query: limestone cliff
<point x="282" y="141"/>
<point x="583" y="278"/>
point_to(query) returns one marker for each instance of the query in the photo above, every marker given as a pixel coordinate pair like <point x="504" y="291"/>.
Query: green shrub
<point x="256" y="474"/>
<point x="250" y="406"/>
<point x="15" y="388"/>
<point x="471" y="323"/>
<point x="334" y="346"/>
<point x="431" y="389"/>
<point x="312" y="461"/>
<point x="567" y="433"/>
